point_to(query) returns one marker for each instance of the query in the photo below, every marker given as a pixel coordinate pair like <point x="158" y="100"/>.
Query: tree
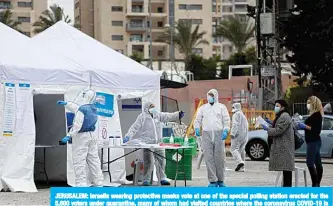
<point x="137" y="56"/>
<point x="309" y="37"/>
<point x="50" y="17"/>
<point x="237" y="31"/>
<point x="6" y="17"/>
<point x="184" y="38"/>
<point x="203" y="69"/>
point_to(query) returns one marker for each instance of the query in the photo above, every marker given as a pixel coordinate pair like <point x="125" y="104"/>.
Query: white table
<point x="148" y="147"/>
<point x="44" y="147"/>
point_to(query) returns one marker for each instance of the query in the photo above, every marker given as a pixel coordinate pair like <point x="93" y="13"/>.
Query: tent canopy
<point x="108" y="67"/>
<point x="21" y="60"/>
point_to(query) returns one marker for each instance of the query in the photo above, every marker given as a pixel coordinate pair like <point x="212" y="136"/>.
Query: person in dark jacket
<point x="312" y="127"/>
<point x="282" y="152"/>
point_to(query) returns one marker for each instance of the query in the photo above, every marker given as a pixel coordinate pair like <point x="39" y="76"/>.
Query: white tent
<point x="110" y="71"/>
<point x="25" y="69"/>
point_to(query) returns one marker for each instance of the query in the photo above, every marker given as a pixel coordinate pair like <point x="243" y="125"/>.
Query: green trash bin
<point x="185" y="159"/>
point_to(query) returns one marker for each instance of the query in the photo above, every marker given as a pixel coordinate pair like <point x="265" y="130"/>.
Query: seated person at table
<point x="147" y="128"/>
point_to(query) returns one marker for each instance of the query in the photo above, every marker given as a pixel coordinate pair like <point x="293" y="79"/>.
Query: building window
<point x="117" y="37"/>
<point x="117" y="9"/>
<point x="5" y="5"/>
<point x="190" y="7"/>
<point x="227" y="9"/>
<point x="23" y="19"/>
<point x="160" y="53"/>
<point x="117" y="23"/>
<point x="24" y="4"/>
<point x="137" y="9"/>
<point x="240" y="8"/>
<point x="230" y="49"/>
<point x="136" y="38"/>
<point x="214" y="8"/>
<point x="77" y="5"/>
<point x="160" y="10"/>
<point x="160" y="24"/>
<point x="196" y="21"/>
<point x="193" y="21"/>
<point x="197" y="51"/>
<point x="77" y="19"/>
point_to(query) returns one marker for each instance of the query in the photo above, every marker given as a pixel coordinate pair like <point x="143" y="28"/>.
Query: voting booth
<point x="128" y="83"/>
<point x="33" y="77"/>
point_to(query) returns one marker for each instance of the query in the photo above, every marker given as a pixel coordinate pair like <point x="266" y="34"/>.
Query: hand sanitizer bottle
<point x="171" y="139"/>
<point x="186" y="141"/>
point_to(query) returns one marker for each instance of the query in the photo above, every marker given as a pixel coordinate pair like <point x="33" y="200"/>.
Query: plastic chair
<point x="298" y="170"/>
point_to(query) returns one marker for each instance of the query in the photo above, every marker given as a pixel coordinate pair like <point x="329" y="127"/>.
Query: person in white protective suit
<point x="148" y="128"/>
<point x="215" y="121"/>
<point x="84" y="143"/>
<point x="239" y="136"/>
<point x="328" y="108"/>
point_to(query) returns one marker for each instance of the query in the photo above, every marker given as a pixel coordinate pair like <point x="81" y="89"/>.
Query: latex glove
<point x="302" y="126"/>
<point x="181" y="114"/>
<point x="224" y="134"/>
<point x="126" y="139"/>
<point x="264" y="127"/>
<point x="65" y="140"/>
<point x="60" y="102"/>
<point x="268" y="121"/>
<point x="197" y="132"/>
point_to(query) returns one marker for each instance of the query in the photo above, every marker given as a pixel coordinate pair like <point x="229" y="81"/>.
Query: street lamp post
<point x="171" y="52"/>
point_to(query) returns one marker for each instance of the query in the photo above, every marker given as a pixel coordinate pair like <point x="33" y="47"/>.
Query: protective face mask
<point x="308" y="106"/>
<point x="210" y="99"/>
<point x="277" y="109"/>
<point x="152" y="110"/>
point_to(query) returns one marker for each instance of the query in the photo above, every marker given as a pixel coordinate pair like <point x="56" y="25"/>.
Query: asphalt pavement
<point x="256" y="174"/>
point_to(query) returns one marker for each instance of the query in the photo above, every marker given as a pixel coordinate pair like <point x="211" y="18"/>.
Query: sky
<point x="68" y="6"/>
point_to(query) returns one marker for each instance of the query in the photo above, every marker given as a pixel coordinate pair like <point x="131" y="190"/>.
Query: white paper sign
<point x="9" y="110"/>
<point x="23" y="93"/>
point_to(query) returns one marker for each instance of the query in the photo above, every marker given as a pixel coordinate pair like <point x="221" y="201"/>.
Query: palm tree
<point x="6" y="18"/>
<point x="184" y="38"/>
<point x="50" y="17"/>
<point x="237" y="31"/>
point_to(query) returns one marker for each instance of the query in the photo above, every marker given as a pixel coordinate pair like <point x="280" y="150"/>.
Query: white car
<point x="257" y="146"/>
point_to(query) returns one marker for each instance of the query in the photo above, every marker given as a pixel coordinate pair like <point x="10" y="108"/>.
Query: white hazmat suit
<point x="215" y="121"/>
<point x="84" y="143"/>
<point x="239" y="136"/>
<point x="148" y="128"/>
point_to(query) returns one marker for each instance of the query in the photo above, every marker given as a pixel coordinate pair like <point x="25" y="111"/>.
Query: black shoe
<point x="314" y="176"/>
<point x="239" y="166"/>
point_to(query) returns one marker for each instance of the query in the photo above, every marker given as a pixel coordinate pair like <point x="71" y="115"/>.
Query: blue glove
<point x="60" y="102"/>
<point x="181" y="114"/>
<point x="224" y="134"/>
<point x="197" y="132"/>
<point x="126" y="139"/>
<point x="65" y="140"/>
<point x="268" y="121"/>
<point x="264" y="127"/>
<point x="302" y="126"/>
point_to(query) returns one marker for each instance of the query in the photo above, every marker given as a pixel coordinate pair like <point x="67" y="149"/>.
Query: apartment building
<point x="25" y="11"/>
<point x="124" y="24"/>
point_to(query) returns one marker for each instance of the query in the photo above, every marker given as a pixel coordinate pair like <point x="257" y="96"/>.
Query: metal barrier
<point x="301" y="109"/>
<point x="251" y="116"/>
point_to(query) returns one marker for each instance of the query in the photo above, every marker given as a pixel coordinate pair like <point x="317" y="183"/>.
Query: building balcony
<point x="241" y="2"/>
<point x="137" y="1"/>
<point x="136" y="27"/>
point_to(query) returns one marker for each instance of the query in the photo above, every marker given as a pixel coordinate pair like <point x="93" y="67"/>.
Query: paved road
<point x="256" y="174"/>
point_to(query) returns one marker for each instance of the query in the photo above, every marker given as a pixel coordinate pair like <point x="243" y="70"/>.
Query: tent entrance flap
<point x="50" y="123"/>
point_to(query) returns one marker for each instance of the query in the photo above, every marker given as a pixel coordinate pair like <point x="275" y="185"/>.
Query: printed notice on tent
<point x="9" y="109"/>
<point x="103" y="129"/>
<point x="23" y="93"/>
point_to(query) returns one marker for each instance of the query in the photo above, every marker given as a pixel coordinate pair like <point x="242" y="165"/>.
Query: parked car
<point x="257" y="146"/>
